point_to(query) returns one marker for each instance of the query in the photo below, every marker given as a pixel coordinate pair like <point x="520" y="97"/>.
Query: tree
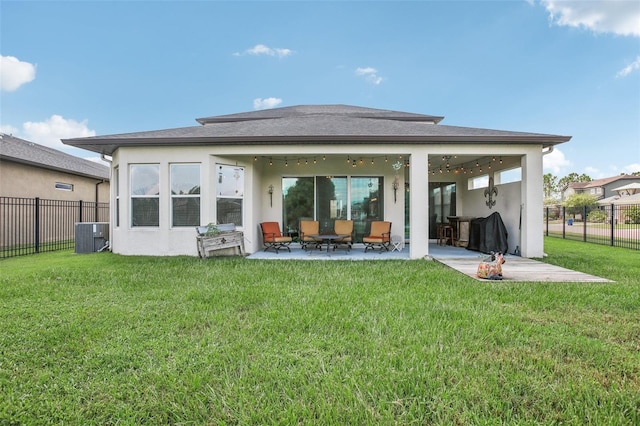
<point x="575" y="203"/>
<point x="550" y="188"/>
<point x="571" y="178"/>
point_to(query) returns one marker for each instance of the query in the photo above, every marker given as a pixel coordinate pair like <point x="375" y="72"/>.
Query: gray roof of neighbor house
<point x="333" y="124"/>
<point x="30" y="153"/>
<point x="600" y="182"/>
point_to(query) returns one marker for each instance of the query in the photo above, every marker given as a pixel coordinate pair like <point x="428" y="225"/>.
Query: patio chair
<point x="340" y="227"/>
<point x="308" y="228"/>
<point x="273" y="238"/>
<point x="380" y="235"/>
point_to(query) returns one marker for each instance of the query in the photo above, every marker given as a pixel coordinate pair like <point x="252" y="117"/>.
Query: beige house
<point x="29" y="170"/>
<point x="327" y="162"/>
<point x="603" y="188"/>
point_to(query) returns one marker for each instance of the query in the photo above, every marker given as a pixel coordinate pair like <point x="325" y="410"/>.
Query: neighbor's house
<point x="600" y="188"/>
<point x="30" y="170"/>
<point x="623" y="206"/>
<point x="41" y="190"/>
<point x="320" y="161"/>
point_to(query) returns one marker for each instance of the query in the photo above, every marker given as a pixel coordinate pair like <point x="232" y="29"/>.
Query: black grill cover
<point x="488" y="234"/>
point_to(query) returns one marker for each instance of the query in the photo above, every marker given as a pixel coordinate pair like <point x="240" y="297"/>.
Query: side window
<point x="145" y="195"/>
<point x="116" y="183"/>
<point x="229" y="194"/>
<point x="185" y="194"/>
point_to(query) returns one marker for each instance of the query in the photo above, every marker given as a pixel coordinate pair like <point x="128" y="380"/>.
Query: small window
<point x="478" y="182"/>
<point x="64" y="186"/>
<point x="509" y="176"/>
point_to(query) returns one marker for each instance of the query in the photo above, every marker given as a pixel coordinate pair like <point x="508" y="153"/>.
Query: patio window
<point x="145" y="195"/>
<point x="509" y="176"/>
<point x="478" y="182"/>
<point x="230" y="194"/>
<point x="185" y="194"/>
<point x="442" y="203"/>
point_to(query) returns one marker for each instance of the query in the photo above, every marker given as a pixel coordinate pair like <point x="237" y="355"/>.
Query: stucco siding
<point x="21" y="180"/>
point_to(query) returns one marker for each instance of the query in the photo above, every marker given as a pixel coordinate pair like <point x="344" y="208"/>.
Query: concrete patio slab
<point x="462" y="260"/>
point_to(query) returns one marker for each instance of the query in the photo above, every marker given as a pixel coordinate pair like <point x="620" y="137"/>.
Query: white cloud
<point x="50" y="131"/>
<point x="370" y="74"/>
<point x="631" y="168"/>
<point x="261" y="49"/>
<point x="8" y="129"/>
<point x="555" y="161"/>
<point x="266" y="103"/>
<point x="604" y="16"/>
<point x="635" y="65"/>
<point x="14" y="73"/>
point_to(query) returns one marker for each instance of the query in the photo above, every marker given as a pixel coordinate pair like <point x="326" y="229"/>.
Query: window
<point x="230" y="194"/>
<point x="327" y="198"/>
<point x="508" y="176"/>
<point x="116" y="182"/>
<point x="145" y="195"/>
<point x="64" y="186"/>
<point x="185" y="195"/>
<point x="478" y="182"/>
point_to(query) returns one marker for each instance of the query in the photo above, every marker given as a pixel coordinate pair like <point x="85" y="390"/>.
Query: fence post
<point x="80" y="204"/>
<point x="584" y="224"/>
<point x="613" y="226"/>
<point x="37" y="225"/>
<point x="547" y="233"/>
<point x="564" y="222"/>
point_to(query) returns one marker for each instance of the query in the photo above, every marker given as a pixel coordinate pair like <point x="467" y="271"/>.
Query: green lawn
<point x="104" y="339"/>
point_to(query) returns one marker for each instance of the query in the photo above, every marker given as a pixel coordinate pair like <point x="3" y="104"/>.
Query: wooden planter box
<point x="209" y="245"/>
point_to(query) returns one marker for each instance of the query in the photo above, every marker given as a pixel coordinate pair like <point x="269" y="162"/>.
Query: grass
<point x="105" y="339"/>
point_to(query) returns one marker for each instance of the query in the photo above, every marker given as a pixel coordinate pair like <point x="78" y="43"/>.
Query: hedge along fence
<point x="35" y="225"/>
<point x="613" y="224"/>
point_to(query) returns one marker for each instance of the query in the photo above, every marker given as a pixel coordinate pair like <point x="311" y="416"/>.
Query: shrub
<point x="598" y="216"/>
<point x="632" y="214"/>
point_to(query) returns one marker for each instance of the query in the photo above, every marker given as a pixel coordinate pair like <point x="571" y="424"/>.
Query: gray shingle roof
<point x="22" y="151"/>
<point x="335" y="124"/>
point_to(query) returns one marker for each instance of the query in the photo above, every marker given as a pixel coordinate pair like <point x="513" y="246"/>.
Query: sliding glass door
<point x="327" y="198"/>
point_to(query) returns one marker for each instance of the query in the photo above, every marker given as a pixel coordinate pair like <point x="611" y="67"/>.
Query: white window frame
<point x="177" y="196"/>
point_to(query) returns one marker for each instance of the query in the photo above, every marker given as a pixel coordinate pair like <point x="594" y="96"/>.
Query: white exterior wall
<point x="164" y="240"/>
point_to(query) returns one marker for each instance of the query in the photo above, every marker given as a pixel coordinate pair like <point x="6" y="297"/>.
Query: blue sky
<point x="84" y="68"/>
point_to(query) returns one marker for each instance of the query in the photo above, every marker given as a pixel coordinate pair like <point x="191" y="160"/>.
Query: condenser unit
<point x="91" y="236"/>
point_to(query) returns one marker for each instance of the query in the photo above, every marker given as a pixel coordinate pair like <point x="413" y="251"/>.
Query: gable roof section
<point x="327" y="124"/>
<point x="30" y="153"/>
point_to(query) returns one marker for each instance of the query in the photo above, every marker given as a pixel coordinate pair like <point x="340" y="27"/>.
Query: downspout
<point x="96" y="203"/>
<point x="548" y="151"/>
<point x="106" y="160"/>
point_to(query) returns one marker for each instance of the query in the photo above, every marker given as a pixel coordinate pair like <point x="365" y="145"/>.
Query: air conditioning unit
<point x="91" y="236"/>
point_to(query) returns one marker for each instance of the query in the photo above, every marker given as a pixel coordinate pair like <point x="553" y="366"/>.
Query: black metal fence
<point x="614" y="224"/>
<point x="36" y="225"/>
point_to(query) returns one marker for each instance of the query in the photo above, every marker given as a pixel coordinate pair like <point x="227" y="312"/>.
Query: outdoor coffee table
<point x="328" y="239"/>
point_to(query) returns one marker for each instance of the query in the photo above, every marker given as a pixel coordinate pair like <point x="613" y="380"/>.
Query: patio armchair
<point x="343" y="227"/>
<point x="308" y="228"/>
<point x="380" y="235"/>
<point x="273" y="238"/>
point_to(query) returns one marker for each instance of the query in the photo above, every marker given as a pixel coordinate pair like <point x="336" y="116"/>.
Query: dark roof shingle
<point x="23" y="151"/>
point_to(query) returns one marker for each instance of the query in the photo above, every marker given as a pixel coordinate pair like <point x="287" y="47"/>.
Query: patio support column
<point x="419" y="210"/>
<point x="531" y="240"/>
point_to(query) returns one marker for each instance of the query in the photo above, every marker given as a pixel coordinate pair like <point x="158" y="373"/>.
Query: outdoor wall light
<point x="271" y="195"/>
<point x="395" y="191"/>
